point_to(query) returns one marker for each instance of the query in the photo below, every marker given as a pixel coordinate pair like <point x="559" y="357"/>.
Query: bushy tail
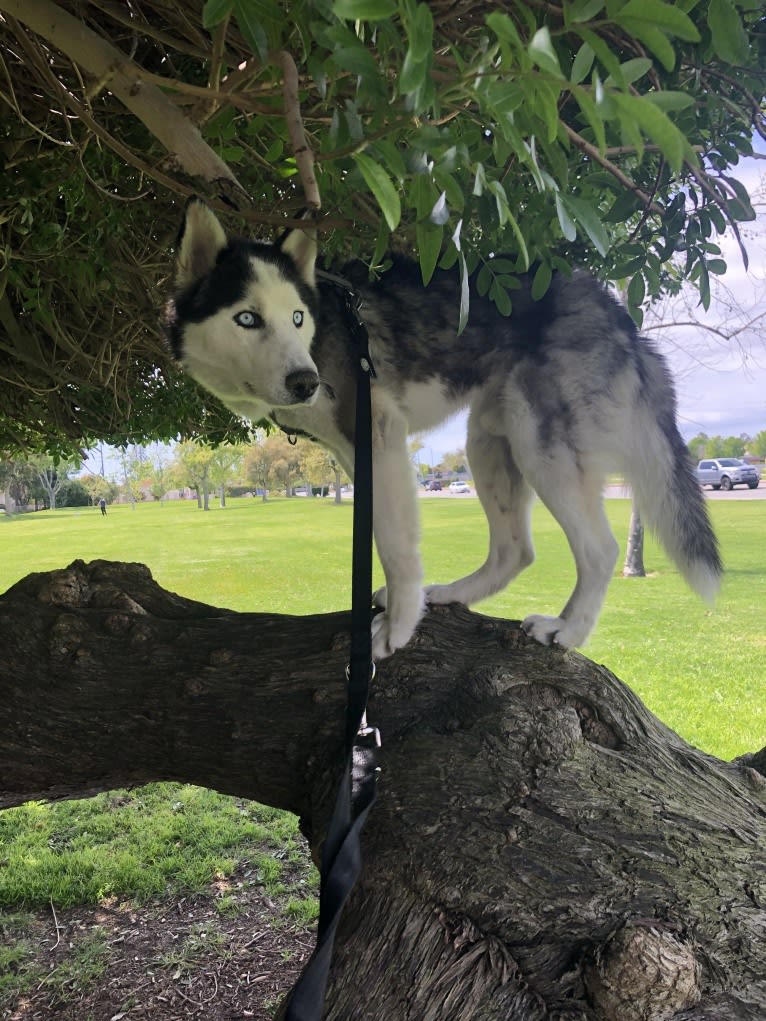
<point x="666" y="490"/>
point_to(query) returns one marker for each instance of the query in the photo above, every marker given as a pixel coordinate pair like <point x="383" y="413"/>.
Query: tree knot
<point x="643" y="973"/>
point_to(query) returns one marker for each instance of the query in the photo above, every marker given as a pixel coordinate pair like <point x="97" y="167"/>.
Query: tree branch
<point x="302" y="151"/>
<point x="614" y="170"/>
<point x="125" y="80"/>
<point x="541" y="846"/>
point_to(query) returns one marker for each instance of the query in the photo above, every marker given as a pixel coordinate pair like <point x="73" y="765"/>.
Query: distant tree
<point x="315" y="466"/>
<point x="16" y="481"/>
<point x="699" y="446"/>
<point x="256" y="468"/>
<point x="225" y="465"/>
<point x="757" y="444"/>
<point x="72" y="494"/>
<point x="719" y="446"/>
<point x="455" y="461"/>
<point x="195" y="462"/>
<point x="272" y="462"/>
<point x="726" y="446"/>
<point x="634" y="550"/>
<point x="340" y="478"/>
<point x="414" y="446"/>
<point x="98" y="487"/>
<point x="51" y="475"/>
<point x="131" y="473"/>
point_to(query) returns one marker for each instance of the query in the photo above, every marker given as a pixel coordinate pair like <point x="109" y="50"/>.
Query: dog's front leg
<point x="395" y="524"/>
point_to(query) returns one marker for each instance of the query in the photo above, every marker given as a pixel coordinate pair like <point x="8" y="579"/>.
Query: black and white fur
<point x="561" y="393"/>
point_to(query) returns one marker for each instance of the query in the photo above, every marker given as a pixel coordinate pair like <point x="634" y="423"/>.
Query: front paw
<point x="393" y="629"/>
<point x="553" y="631"/>
<point x="388" y="636"/>
<point x="441" y="595"/>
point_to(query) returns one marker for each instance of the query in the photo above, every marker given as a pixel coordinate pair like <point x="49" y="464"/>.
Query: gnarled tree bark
<point x="542" y="846"/>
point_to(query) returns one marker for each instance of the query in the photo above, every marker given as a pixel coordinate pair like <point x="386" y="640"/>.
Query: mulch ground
<point x="166" y="961"/>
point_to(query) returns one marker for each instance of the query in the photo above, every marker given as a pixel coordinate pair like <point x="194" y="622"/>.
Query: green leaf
<point x="632" y="70"/>
<point x="589" y="220"/>
<point x="215" y="11"/>
<point x="421" y="33"/>
<point x="727" y="32"/>
<point x="413" y="74"/>
<point x="429" y="242"/>
<point x="251" y="27"/>
<point x="364" y="10"/>
<point x="355" y="58"/>
<point x="668" y="100"/>
<point x="582" y="64"/>
<point x="382" y="187"/>
<point x="422" y="194"/>
<point x="524" y="254"/>
<point x="542" y="52"/>
<point x="602" y="51"/>
<point x="667" y="17"/>
<point x="504" y="28"/>
<point x="544" y="102"/>
<point x="583" y="10"/>
<point x="566" y="222"/>
<point x="591" y="114"/>
<point x="655" y="125"/>
<point x="542" y="281"/>
<point x="654" y="39"/>
<point x="501" y="299"/>
<point x="704" y="286"/>
<point x="636" y="291"/>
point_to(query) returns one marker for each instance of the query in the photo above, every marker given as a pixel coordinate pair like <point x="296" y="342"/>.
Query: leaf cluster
<point x="496" y="137"/>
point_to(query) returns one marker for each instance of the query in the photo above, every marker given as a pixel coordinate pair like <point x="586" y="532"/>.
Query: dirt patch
<point x="224" y="955"/>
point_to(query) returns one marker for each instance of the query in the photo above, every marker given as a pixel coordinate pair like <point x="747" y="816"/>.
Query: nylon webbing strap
<point x="341" y="854"/>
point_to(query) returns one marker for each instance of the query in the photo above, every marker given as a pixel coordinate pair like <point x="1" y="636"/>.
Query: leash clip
<point x="370" y="736"/>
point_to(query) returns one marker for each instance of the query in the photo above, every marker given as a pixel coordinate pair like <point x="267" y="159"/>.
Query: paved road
<point x="623" y="493"/>
<point x="740" y="493"/>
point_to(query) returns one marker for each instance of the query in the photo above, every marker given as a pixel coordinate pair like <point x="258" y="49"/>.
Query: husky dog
<point x="560" y="393"/>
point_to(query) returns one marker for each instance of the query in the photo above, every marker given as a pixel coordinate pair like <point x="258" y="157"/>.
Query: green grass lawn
<point x="699" y="669"/>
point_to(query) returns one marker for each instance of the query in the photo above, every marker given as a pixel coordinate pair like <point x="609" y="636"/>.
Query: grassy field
<point x="695" y="667"/>
<point x="698" y="669"/>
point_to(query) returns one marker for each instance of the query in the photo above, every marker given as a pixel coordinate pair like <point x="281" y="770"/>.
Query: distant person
<point x="102" y="505"/>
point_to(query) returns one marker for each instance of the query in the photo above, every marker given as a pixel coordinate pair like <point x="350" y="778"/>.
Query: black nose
<point x="302" y="385"/>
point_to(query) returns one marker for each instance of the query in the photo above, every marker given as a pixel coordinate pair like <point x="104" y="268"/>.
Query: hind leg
<point x="506" y="499"/>
<point x="575" y="499"/>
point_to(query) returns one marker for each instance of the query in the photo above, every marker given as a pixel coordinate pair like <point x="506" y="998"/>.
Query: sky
<point x="721" y="384"/>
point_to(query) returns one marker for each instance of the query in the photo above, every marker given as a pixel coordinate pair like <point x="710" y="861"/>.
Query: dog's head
<point x="245" y="314"/>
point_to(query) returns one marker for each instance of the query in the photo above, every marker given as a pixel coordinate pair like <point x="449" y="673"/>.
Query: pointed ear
<point x="200" y="240"/>
<point x="301" y="246"/>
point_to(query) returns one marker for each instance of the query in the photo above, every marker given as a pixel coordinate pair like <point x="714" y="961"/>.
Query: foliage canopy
<point x="569" y="132"/>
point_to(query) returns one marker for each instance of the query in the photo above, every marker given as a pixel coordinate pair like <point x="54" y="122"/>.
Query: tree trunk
<point x="634" y="553"/>
<point x="542" y="846"/>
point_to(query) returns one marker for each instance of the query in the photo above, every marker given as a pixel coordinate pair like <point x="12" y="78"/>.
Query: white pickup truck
<point x="727" y="472"/>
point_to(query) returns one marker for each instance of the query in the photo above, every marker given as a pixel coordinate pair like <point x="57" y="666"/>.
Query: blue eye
<point x="298" y="317"/>
<point x="249" y="320"/>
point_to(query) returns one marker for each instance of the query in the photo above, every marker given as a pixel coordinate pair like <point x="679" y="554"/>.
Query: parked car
<point x="434" y="486"/>
<point x="727" y="472"/>
<point x="459" y="487"/>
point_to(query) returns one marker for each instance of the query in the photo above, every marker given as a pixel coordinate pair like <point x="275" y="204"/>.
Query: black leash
<point x="341" y="854"/>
